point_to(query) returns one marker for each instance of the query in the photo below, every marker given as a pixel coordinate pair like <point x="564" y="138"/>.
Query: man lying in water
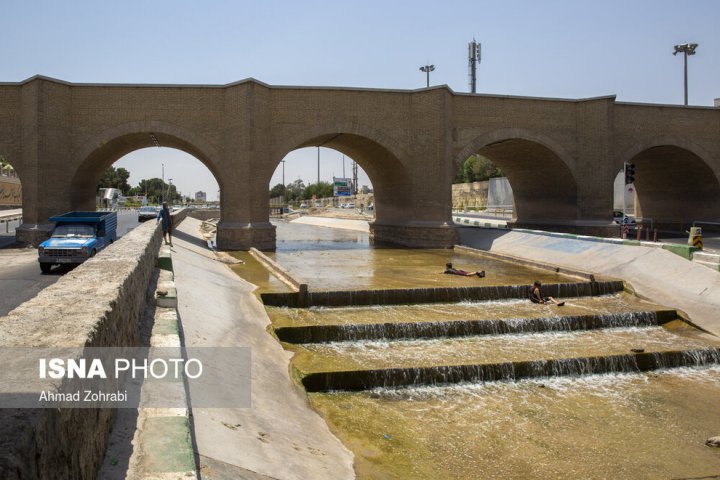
<point x="454" y="271"/>
<point x="537" y="297"/>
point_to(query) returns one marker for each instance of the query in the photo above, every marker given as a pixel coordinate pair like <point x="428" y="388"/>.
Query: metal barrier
<point x="9" y="219"/>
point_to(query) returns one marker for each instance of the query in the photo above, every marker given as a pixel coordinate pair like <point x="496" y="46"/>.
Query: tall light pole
<point x="283" y="181"/>
<point x="283" y="173"/>
<point x="427" y="69"/>
<point x="318" y="165"/>
<point x="686" y="49"/>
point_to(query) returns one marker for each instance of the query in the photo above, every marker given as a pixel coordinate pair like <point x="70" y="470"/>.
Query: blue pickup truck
<point x="77" y="236"/>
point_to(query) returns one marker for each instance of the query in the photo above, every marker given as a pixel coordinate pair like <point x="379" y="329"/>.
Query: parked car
<point x="303" y="205"/>
<point x="318" y="204"/>
<point x="350" y="205"/>
<point x="618" y="218"/>
<point x="77" y="236"/>
<point x="147" y="213"/>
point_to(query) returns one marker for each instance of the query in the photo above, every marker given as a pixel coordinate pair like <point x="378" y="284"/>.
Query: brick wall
<point x="98" y="304"/>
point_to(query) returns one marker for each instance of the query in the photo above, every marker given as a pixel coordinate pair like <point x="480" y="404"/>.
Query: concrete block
<point x="169" y="300"/>
<point x="164" y="261"/>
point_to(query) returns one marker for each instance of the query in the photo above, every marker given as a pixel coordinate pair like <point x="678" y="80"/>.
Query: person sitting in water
<point x="537" y="297"/>
<point x="454" y="271"/>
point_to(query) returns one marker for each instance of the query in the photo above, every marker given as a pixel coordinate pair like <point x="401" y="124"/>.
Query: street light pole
<point x="427" y="69"/>
<point x="283" y="180"/>
<point x="318" y="165"/>
<point x="686" y="49"/>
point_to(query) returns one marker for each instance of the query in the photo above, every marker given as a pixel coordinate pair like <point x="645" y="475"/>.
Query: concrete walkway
<point x="279" y="437"/>
<point x="656" y="274"/>
<point x="342" y="223"/>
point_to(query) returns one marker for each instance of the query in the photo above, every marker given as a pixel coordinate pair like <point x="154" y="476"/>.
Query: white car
<point x="303" y="205"/>
<point x="350" y="205"/>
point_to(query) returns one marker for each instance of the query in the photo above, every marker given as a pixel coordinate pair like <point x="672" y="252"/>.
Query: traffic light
<point x="629" y="173"/>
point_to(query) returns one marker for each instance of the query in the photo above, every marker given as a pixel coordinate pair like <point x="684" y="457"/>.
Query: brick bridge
<point x="561" y="156"/>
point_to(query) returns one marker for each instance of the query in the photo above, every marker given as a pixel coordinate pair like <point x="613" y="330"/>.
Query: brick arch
<point x="675" y="183"/>
<point x="647" y="143"/>
<point x="540" y="170"/>
<point x="380" y="157"/>
<point x="108" y="146"/>
<point x="504" y="134"/>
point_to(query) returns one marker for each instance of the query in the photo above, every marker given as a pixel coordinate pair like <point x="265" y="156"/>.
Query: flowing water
<point x="479" y="383"/>
<point x="627" y="426"/>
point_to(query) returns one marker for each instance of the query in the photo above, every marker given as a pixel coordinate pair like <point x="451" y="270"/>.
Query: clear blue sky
<point x="560" y="48"/>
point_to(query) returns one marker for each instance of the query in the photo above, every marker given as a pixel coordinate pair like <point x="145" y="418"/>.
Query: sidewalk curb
<point x="166" y="439"/>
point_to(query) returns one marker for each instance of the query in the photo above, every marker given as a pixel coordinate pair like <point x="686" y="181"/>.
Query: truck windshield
<point x="74" y="231"/>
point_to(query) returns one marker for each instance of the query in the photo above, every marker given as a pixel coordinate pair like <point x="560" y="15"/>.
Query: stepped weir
<point x="431" y="376"/>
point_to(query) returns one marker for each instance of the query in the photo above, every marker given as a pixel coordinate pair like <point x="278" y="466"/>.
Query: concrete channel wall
<point x="98" y="304"/>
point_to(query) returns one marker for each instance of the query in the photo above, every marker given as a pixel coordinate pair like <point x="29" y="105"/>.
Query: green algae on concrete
<point x="639" y="426"/>
<point x="167" y="445"/>
<point x="254" y="272"/>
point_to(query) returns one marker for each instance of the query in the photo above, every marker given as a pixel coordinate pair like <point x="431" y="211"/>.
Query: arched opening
<point x="543" y="188"/>
<point x="675" y="187"/>
<point x="166" y="163"/>
<point x="386" y="176"/>
<point x="320" y="181"/>
<point x="481" y="186"/>
<point x="135" y="172"/>
<point x="623" y="206"/>
<point x="10" y="200"/>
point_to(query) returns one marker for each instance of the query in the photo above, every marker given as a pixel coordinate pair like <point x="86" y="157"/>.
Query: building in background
<point x="201" y="196"/>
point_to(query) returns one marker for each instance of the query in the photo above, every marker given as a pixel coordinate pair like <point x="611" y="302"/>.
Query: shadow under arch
<point x="390" y="178"/>
<point x="107" y="147"/>
<point x="674" y="184"/>
<point x="539" y="170"/>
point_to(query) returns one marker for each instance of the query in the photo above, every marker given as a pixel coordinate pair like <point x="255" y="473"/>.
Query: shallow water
<point x="370" y="355"/>
<point x="501" y="309"/>
<point x="630" y="426"/>
<point x="335" y="259"/>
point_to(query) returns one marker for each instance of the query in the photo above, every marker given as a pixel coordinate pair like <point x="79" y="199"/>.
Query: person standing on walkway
<point x="164" y="216"/>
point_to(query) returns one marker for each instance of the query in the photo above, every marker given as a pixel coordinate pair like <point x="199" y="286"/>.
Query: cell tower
<point x="473" y="61"/>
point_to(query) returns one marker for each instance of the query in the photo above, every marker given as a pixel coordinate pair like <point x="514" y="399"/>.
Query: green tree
<point x="320" y="190"/>
<point x="115" y="178"/>
<point x="477" y="168"/>
<point x="277" y="191"/>
<point x="295" y="190"/>
<point x="155" y="190"/>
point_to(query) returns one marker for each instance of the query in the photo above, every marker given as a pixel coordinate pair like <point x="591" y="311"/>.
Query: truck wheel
<point x="92" y="254"/>
<point x="45" y="267"/>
